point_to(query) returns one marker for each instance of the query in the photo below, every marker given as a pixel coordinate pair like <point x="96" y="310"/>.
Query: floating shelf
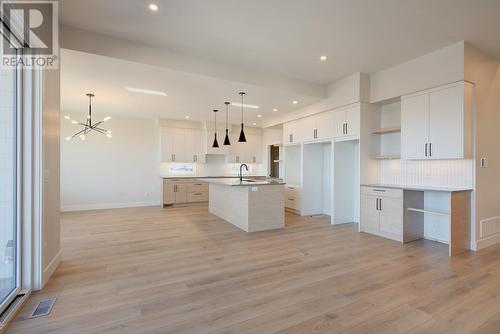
<point x="387" y="157"/>
<point x="392" y="129"/>
<point x="437" y="213"/>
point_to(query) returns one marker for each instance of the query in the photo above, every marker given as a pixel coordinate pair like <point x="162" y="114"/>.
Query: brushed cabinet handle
<point x="430" y="149"/>
<point x="426" y="149"/>
<point x="380" y="204"/>
<point x="376" y="204"/>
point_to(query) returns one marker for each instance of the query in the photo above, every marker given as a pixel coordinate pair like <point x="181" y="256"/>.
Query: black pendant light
<point x="215" y="144"/>
<point x="226" y="139"/>
<point x="242" y="138"/>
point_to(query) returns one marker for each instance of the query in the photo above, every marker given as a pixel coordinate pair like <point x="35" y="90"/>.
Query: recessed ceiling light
<point x="188" y="117"/>
<point x="275" y="110"/>
<point x="154" y="7"/>
<point x="323" y="58"/>
<point x="295" y="102"/>
<point x="146" y="91"/>
<point x="259" y="116"/>
<point x="254" y="124"/>
<point x="250" y="106"/>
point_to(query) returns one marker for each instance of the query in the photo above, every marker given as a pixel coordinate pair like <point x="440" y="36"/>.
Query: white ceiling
<point x="287" y="37"/>
<point x="188" y="94"/>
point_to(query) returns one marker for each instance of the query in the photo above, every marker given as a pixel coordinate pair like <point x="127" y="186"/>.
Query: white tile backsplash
<point x="428" y="173"/>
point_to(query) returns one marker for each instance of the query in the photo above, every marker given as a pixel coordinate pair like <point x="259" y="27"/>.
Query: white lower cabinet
<point x="382" y="212"/>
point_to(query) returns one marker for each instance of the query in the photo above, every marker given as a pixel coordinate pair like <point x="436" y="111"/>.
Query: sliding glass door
<point x="9" y="227"/>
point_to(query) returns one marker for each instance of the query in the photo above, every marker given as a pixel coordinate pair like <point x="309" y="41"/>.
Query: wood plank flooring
<point x="182" y="270"/>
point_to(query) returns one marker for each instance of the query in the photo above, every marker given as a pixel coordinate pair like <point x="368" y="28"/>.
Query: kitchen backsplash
<point x="431" y="173"/>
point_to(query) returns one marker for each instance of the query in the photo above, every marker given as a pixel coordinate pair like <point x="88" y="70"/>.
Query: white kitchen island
<point x="251" y="205"/>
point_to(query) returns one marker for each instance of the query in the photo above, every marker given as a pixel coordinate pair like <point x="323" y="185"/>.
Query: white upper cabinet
<point x="290" y="133"/>
<point x="437" y="124"/>
<point x="182" y="145"/>
<point x="346" y="123"/>
<point x="249" y="152"/>
<point x="324" y="125"/>
<point x="414" y="127"/>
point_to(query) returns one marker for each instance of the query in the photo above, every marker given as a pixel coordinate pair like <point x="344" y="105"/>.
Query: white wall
<point x="484" y="72"/>
<point x="348" y="90"/>
<point x="107" y="173"/>
<point x="437" y="68"/>
<point x="50" y="229"/>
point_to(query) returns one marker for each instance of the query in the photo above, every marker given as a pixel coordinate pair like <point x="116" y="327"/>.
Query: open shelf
<point x="392" y="129"/>
<point x="437" y="213"/>
<point x="387" y="157"/>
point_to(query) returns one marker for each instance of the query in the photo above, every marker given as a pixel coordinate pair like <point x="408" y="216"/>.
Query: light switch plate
<point x="483" y="163"/>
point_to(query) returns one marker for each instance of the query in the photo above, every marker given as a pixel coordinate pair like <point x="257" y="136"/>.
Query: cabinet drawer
<point x="382" y="192"/>
<point x="197" y="186"/>
<point x="292" y="192"/>
<point x="292" y="203"/>
<point x="201" y="196"/>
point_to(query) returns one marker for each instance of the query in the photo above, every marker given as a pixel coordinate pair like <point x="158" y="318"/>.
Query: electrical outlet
<point x="254" y="188"/>
<point x="484" y="163"/>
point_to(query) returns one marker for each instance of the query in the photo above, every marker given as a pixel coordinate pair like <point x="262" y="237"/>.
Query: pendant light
<point x="243" y="138"/>
<point x="226" y="139"/>
<point x="215" y="144"/>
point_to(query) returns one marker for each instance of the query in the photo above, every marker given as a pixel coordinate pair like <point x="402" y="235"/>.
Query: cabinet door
<point x="414" y="126"/>
<point x="305" y="129"/>
<point x="189" y="152"/>
<point x="391" y="215"/>
<point x="168" y="193"/>
<point x="352" y="119"/>
<point x="446" y="130"/>
<point x="199" y="146"/>
<point x="369" y="213"/>
<point x="180" y="193"/>
<point x="339" y="120"/>
<point x="325" y="123"/>
<point x="178" y="145"/>
<point x="167" y="144"/>
<point x="254" y="150"/>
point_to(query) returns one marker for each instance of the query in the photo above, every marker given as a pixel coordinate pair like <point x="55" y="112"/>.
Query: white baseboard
<point x="488" y="241"/>
<point x="87" y="207"/>
<point x="51" y="268"/>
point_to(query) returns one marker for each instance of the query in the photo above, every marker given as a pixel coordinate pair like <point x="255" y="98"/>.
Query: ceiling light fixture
<point x="216" y="143"/>
<point x="242" y="138"/>
<point x="249" y="106"/>
<point x="254" y="124"/>
<point x="295" y="102"/>
<point x="226" y="139"/>
<point x="259" y="116"/>
<point x="146" y="91"/>
<point x="88" y="126"/>
<point x="154" y="7"/>
<point x="323" y="58"/>
<point x="275" y="110"/>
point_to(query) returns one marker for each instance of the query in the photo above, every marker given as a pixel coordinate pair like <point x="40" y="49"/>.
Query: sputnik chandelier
<point x="88" y="126"/>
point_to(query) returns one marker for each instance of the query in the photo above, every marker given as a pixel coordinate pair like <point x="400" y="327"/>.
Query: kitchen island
<point x="251" y="205"/>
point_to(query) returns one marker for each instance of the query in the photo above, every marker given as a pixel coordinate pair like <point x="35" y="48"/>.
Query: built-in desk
<point x="399" y="213"/>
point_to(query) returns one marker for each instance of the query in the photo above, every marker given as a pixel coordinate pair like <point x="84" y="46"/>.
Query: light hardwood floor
<point x="182" y="270"/>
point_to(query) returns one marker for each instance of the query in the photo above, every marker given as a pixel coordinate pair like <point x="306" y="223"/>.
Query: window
<point x="9" y="266"/>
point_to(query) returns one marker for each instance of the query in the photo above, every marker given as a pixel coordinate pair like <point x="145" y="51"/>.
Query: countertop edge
<point x="417" y="188"/>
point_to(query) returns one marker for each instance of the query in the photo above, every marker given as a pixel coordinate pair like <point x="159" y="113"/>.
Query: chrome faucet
<point x="241" y="174"/>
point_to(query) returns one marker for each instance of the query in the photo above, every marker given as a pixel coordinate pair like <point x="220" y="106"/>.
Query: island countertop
<point x="245" y="182"/>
